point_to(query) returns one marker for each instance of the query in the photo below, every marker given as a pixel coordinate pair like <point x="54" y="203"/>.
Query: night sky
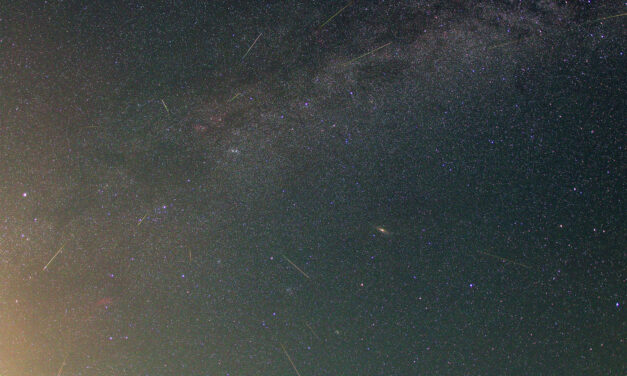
<point x="312" y="188"/>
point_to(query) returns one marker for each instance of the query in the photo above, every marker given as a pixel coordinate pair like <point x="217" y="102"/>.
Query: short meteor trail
<point x="53" y="257"/>
<point x="297" y="268"/>
<point x="290" y="359"/>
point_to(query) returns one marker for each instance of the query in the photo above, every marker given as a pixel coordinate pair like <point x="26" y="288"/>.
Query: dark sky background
<point x="413" y="188"/>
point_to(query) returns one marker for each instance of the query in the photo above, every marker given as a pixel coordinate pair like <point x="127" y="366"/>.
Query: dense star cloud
<point x="312" y="188"/>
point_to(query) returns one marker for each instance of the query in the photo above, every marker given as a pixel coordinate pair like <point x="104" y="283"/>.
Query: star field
<point x="313" y="188"/>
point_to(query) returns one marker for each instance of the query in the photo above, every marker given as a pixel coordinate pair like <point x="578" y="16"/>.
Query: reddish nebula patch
<point x="208" y="124"/>
<point x="104" y="302"/>
<point x="200" y="128"/>
<point x="94" y="309"/>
